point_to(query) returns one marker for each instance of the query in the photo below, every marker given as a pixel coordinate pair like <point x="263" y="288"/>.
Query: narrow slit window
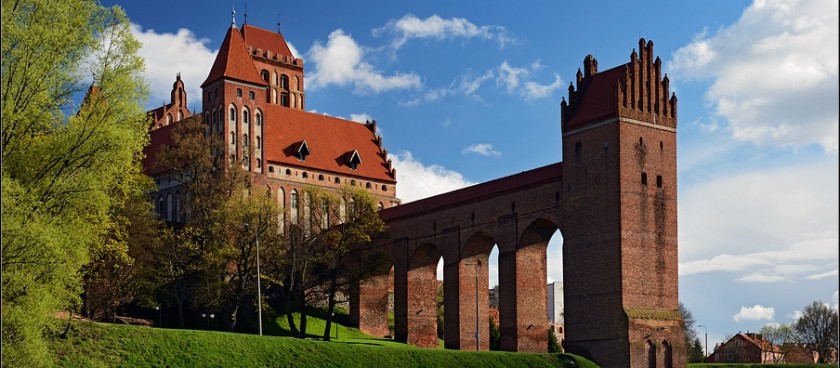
<point x="644" y="178"/>
<point x="659" y="181"/>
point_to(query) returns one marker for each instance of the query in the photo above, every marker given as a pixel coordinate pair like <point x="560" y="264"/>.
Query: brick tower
<point x="620" y="215"/>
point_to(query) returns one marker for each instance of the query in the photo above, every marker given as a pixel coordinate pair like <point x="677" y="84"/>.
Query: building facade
<point x="253" y="101"/>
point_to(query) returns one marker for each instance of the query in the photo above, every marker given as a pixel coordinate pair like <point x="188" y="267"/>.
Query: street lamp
<point x="477" y="264"/>
<point x="259" y="291"/>
<point x="160" y="319"/>
<point x="706" y="336"/>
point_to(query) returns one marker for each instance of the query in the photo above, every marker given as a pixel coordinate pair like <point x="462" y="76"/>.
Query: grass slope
<point x="106" y="345"/>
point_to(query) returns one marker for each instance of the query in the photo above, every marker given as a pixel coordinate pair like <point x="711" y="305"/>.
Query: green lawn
<point x="756" y="365"/>
<point x="108" y="345"/>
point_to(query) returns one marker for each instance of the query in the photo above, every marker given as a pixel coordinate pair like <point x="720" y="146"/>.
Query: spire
<point x="277" y="19"/>
<point x="232" y="17"/>
<point x="245" y="21"/>
<point x="234" y="62"/>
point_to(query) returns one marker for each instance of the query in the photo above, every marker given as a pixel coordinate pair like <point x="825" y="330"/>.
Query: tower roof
<point x="259" y="38"/>
<point x="233" y="61"/>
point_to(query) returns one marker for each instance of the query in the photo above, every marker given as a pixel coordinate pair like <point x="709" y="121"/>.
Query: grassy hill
<point x="107" y="345"/>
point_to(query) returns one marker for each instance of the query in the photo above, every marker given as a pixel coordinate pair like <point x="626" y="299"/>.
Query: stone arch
<point x="651" y="354"/>
<point x="668" y="354"/>
<point x="421" y="317"/>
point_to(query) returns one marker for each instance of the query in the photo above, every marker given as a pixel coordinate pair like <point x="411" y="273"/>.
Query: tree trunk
<point x="330" y="307"/>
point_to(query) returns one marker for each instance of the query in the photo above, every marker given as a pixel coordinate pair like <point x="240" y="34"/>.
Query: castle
<point x="613" y="197"/>
<point x="253" y="100"/>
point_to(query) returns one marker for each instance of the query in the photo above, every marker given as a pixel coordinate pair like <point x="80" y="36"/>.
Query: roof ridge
<point x="232" y="61"/>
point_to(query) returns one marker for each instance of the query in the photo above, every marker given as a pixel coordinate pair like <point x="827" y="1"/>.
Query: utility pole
<point x="706" y="335"/>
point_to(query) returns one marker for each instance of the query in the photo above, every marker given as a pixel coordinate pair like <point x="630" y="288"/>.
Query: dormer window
<point x="302" y="151"/>
<point x="354" y="160"/>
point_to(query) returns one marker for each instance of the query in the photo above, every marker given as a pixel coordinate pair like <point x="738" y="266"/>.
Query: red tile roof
<point x="259" y="38"/>
<point x="491" y="188"/>
<point x="331" y="142"/>
<point x="233" y="61"/>
<point x="599" y="97"/>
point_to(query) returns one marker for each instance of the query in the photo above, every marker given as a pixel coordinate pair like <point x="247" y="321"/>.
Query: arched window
<point x="258" y="117"/>
<point x="281" y="201"/>
<point x="367" y="185"/>
<point x="284" y="82"/>
<point x="168" y="119"/>
<point x="259" y="142"/>
<point x="337" y="180"/>
<point x="246" y="115"/>
<point x="169" y="207"/>
<point x="275" y="78"/>
<point x="293" y="206"/>
<point x="669" y="358"/>
<point x="177" y="208"/>
<point x="651" y="354"/>
<point x="232" y="138"/>
<point x="325" y="213"/>
<point x="264" y="75"/>
<point x="245" y="140"/>
<point x="284" y="99"/>
<point x="180" y="115"/>
<point x="232" y="113"/>
<point x="342" y="211"/>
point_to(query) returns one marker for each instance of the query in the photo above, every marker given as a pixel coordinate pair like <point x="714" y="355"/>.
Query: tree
<point x="496" y="335"/>
<point x="818" y="328"/>
<point x="781" y="339"/>
<point x="65" y="167"/>
<point x="694" y="351"/>
<point x="553" y="345"/>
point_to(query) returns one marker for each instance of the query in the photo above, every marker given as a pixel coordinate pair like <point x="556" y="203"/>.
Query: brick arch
<point x="465" y="294"/>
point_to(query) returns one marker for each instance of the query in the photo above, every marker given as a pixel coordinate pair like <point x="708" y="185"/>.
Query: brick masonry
<point x="613" y="198"/>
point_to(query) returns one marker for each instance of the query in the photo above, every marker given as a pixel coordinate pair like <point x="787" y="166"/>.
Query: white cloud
<point x="434" y="27"/>
<point x="765" y="226"/>
<point x="823" y="275"/>
<point x="360" y="118"/>
<point x="774" y="72"/>
<point x="164" y="53"/>
<point x="755" y="313"/>
<point x="484" y="149"/>
<point x="417" y="181"/>
<point x="795" y="315"/>
<point x="534" y="90"/>
<point x="509" y="79"/>
<point x="835" y="299"/>
<point x="341" y="63"/>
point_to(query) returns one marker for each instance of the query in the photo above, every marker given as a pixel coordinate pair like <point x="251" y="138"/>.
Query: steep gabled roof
<point x="328" y="140"/>
<point x="233" y="61"/>
<point x="599" y="97"/>
<point x="259" y="38"/>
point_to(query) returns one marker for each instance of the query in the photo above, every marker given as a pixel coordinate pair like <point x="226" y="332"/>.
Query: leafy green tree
<point x="818" y="328"/>
<point x="695" y="352"/>
<point x="495" y="335"/>
<point x="66" y="168"/>
<point x="782" y="336"/>
<point x="553" y="345"/>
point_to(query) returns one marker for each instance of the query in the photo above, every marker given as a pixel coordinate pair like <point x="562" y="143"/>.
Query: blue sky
<point x="469" y="91"/>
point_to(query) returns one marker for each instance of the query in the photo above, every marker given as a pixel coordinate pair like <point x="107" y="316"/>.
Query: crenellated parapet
<point x="637" y="90"/>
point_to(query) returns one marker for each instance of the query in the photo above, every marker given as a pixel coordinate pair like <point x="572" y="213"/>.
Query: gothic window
<point x="284" y="82"/>
<point x="246" y="116"/>
<point x="293" y="206"/>
<point x="258" y="117"/>
<point x="284" y="99"/>
<point x="232" y="113"/>
<point x="651" y="353"/>
<point x="259" y="142"/>
<point x="264" y="75"/>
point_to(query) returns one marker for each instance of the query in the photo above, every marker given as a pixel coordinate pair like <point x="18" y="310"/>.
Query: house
<point x="753" y="348"/>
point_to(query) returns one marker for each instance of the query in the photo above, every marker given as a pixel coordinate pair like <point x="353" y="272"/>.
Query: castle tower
<point x="620" y="210"/>
<point x="173" y="112"/>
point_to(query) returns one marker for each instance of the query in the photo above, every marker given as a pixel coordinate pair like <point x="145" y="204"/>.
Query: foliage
<point x="496" y="335"/>
<point x="66" y="169"/>
<point x="101" y="345"/>
<point x="694" y="351"/>
<point x="781" y="335"/>
<point x="818" y="328"/>
<point x="553" y="345"/>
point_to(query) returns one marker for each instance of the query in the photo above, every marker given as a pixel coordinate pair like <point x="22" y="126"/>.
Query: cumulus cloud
<point x="755" y="313"/>
<point x="484" y="149"/>
<point x="769" y="225"/>
<point x="341" y="62"/>
<point x="164" y="52"/>
<point x="434" y="27"/>
<point x="417" y="181"/>
<point x="774" y="73"/>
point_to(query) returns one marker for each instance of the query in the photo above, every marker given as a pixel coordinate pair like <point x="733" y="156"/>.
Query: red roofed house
<point x="254" y="96"/>
<point x="752" y="348"/>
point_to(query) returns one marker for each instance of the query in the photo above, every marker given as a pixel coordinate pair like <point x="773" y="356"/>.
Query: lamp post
<point x="477" y="264"/>
<point x="706" y="336"/>
<point x="259" y="291"/>
<point x="160" y="319"/>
